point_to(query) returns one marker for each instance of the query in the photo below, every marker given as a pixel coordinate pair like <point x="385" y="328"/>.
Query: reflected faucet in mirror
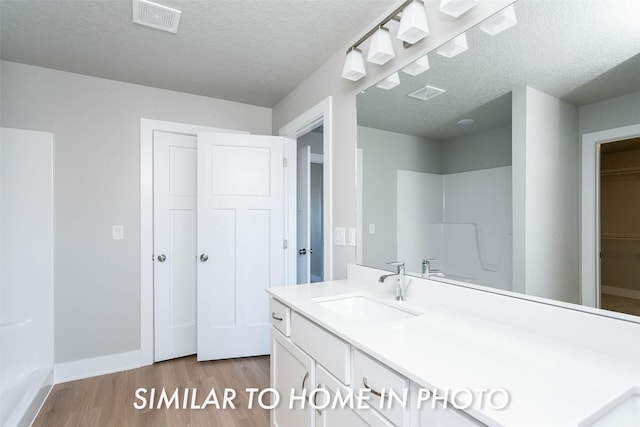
<point x="401" y="280"/>
<point x="427" y="271"/>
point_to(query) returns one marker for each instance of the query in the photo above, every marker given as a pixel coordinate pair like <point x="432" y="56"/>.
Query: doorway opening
<point x="308" y="236"/>
<point x="619" y="226"/>
<point x="309" y="194"/>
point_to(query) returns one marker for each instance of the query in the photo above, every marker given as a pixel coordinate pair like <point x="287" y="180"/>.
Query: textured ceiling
<point x="251" y="51"/>
<point x="582" y="51"/>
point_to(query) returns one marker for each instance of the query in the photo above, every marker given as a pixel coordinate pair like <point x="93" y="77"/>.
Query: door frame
<point x="590" y="207"/>
<point x="310" y="119"/>
<point x="147" y="126"/>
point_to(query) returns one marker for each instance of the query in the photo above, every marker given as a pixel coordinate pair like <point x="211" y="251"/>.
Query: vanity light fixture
<point x="413" y="27"/>
<point x="354" y="65"/>
<point x="413" y="24"/>
<point x="418" y="66"/>
<point x="499" y="22"/>
<point x="380" y="49"/>
<point x="454" y="47"/>
<point x="456" y="8"/>
<point x="390" y="82"/>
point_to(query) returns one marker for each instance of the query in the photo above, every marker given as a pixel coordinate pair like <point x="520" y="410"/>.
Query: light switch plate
<point x="117" y="232"/>
<point x="339" y="236"/>
<point x="352" y="236"/>
<point x="372" y="229"/>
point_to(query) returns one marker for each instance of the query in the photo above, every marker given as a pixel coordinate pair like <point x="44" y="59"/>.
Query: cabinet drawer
<point x="327" y="349"/>
<point x="338" y="416"/>
<point x="280" y="316"/>
<point x="369" y="373"/>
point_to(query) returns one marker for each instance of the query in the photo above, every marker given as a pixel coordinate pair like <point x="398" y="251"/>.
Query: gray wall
<point x="545" y="196"/>
<point x="609" y="114"/>
<point x="479" y="150"/>
<point x="96" y="123"/>
<point x="312" y="139"/>
<point x="326" y="81"/>
<point x="384" y="153"/>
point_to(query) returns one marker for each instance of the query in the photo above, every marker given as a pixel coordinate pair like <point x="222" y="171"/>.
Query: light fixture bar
<point x="392" y="16"/>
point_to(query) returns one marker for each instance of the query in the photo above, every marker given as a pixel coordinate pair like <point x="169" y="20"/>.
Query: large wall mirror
<point x="469" y="159"/>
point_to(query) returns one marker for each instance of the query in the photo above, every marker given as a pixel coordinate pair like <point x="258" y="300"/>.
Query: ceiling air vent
<point x="156" y="16"/>
<point x="426" y="93"/>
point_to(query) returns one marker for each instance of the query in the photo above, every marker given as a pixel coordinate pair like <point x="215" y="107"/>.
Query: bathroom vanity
<point x="353" y="337"/>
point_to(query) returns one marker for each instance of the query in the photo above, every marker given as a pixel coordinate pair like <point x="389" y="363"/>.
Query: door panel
<point x="175" y="238"/>
<point x="241" y="230"/>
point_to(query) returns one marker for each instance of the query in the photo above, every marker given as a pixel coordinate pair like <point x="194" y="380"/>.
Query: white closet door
<point x="174" y="223"/>
<point x="240" y="241"/>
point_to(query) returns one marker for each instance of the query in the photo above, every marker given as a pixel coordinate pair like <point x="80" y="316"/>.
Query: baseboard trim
<point x="86" y="368"/>
<point x="621" y="292"/>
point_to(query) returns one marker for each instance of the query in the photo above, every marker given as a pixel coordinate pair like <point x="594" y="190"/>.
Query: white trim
<point x="95" y="366"/>
<point x="147" y="126"/>
<point x="307" y="121"/>
<point x="590" y="242"/>
<point x="621" y="292"/>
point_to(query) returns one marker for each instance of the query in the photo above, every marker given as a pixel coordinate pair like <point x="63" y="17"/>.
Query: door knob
<point x="162" y="257"/>
<point x="204" y="257"/>
<point x="302" y="251"/>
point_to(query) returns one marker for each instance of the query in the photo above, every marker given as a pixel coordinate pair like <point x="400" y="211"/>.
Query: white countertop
<point x="551" y="383"/>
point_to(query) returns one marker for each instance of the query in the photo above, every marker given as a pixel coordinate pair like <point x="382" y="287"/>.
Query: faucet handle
<point x="398" y="264"/>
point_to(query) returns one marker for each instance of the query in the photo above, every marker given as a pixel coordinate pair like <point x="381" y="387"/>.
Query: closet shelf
<point x="620" y="171"/>
<point x="620" y="236"/>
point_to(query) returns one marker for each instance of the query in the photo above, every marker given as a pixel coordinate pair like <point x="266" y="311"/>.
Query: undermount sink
<point x="365" y="310"/>
<point x="622" y="411"/>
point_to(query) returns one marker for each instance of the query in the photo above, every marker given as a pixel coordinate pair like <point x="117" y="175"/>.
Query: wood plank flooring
<point x="108" y="400"/>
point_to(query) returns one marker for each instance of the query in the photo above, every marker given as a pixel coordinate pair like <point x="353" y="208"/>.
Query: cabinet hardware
<point x="273" y="316"/>
<point x="374" y="392"/>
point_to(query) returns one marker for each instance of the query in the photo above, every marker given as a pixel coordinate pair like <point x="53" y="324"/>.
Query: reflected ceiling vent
<point x="426" y="93"/>
<point x="156" y="16"/>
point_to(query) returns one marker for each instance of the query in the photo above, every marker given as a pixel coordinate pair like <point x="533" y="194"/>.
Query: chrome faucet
<point x="427" y="271"/>
<point x="401" y="279"/>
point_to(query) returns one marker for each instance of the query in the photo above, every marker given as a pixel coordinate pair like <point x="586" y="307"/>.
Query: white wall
<point x="96" y="123"/>
<point x="545" y="196"/>
<point x="327" y="81"/>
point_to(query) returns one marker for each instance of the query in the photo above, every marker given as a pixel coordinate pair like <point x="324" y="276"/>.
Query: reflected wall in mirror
<point x="470" y="171"/>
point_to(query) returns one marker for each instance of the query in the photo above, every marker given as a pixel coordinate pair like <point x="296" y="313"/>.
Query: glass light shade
<point x="413" y="24"/>
<point x="454" y="47"/>
<point x="501" y="21"/>
<point x="417" y="67"/>
<point x="456" y="8"/>
<point x="354" y="66"/>
<point x="390" y="82"/>
<point x="380" y="49"/>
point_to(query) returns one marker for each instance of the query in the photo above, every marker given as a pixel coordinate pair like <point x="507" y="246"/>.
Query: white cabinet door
<point x="330" y="416"/>
<point x="174" y="241"/>
<point x="240" y="241"/>
<point x="291" y="371"/>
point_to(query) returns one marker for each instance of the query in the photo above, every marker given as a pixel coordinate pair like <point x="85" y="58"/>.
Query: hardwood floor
<point x="108" y="400"/>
